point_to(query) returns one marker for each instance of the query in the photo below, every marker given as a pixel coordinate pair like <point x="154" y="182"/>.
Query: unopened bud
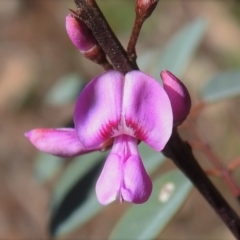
<point x="79" y="34"/>
<point x="144" y="8"/>
<point x="178" y="96"/>
<point x="82" y="38"/>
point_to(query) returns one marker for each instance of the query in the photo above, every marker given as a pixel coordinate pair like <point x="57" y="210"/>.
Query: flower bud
<point x="178" y="96"/>
<point x="144" y="8"/>
<point x="82" y="38"/>
<point x="79" y="34"/>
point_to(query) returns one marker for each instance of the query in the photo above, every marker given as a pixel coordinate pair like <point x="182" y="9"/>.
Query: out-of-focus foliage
<point x="178" y="52"/>
<point x="65" y="90"/>
<point x="151" y="159"/>
<point x="77" y="169"/>
<point x="46" y="166"/>
<point x="113" y="11"/>
<point x="73" y="200"/>
<point x="222" y="86"/>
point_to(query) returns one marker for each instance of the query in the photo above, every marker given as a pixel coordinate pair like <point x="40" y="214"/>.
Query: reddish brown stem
<point x="213" y="172"/>
<point x="225" y="173"/>
<point x="234" y="164"/>
<point x="131" y="49"/>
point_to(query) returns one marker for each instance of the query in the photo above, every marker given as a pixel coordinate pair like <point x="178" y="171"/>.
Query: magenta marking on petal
<point x="138" y="131"/>
<point x="107" y="130"/>
<point x="98" y="109"/>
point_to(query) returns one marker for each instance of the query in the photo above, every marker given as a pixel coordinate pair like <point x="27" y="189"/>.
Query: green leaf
<point x="146" y="221"/>
<point x="74" y="200"/>
<point x="65" y="90"/>
<point x="151" y="159"/>
<point x="222" y="86"/>
<point x="178" y="52"/>
<point x="148" y="60"/>
<point x="46" y="166"/>
<point x="180" y="49"/>
<point x="89" y="209"/>
<point x="75" y="171"/>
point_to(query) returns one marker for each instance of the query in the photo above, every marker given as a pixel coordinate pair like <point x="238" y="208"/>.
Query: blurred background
<point x="35" y="53"/>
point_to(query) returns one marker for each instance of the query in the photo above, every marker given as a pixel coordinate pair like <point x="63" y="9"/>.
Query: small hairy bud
<point x="178" y="96"/>
<point x="82" y="38"/>
<point x="144" y="8"/>
<point x="79" y="34"/>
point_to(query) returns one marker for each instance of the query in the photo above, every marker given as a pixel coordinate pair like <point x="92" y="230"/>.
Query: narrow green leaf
<point x="87" y="210"/>
<point x="74" y="200"/>
<point x="65" y="90"/>
<point x="75" y="171"/>
<point x="146" y="221"/>
<point x="78" y="206"/>
<point x="151" y="159"/>
<point x="180" y="49"/>
<point x="178" y="52"/>
<point x="148" y="60"/>
<point x="222" y="86"/>
<point x="46" y="166"/>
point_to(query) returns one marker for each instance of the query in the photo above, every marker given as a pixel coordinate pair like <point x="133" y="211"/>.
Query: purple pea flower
<point x="124" y="109"/>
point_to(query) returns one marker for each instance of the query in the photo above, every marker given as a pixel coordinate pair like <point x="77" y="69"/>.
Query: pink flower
<point x="123" y="108"/>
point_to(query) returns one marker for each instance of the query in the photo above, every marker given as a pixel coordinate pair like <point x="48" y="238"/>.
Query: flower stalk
<point x="143" y="10"/>
<point x="223" y="171"/>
